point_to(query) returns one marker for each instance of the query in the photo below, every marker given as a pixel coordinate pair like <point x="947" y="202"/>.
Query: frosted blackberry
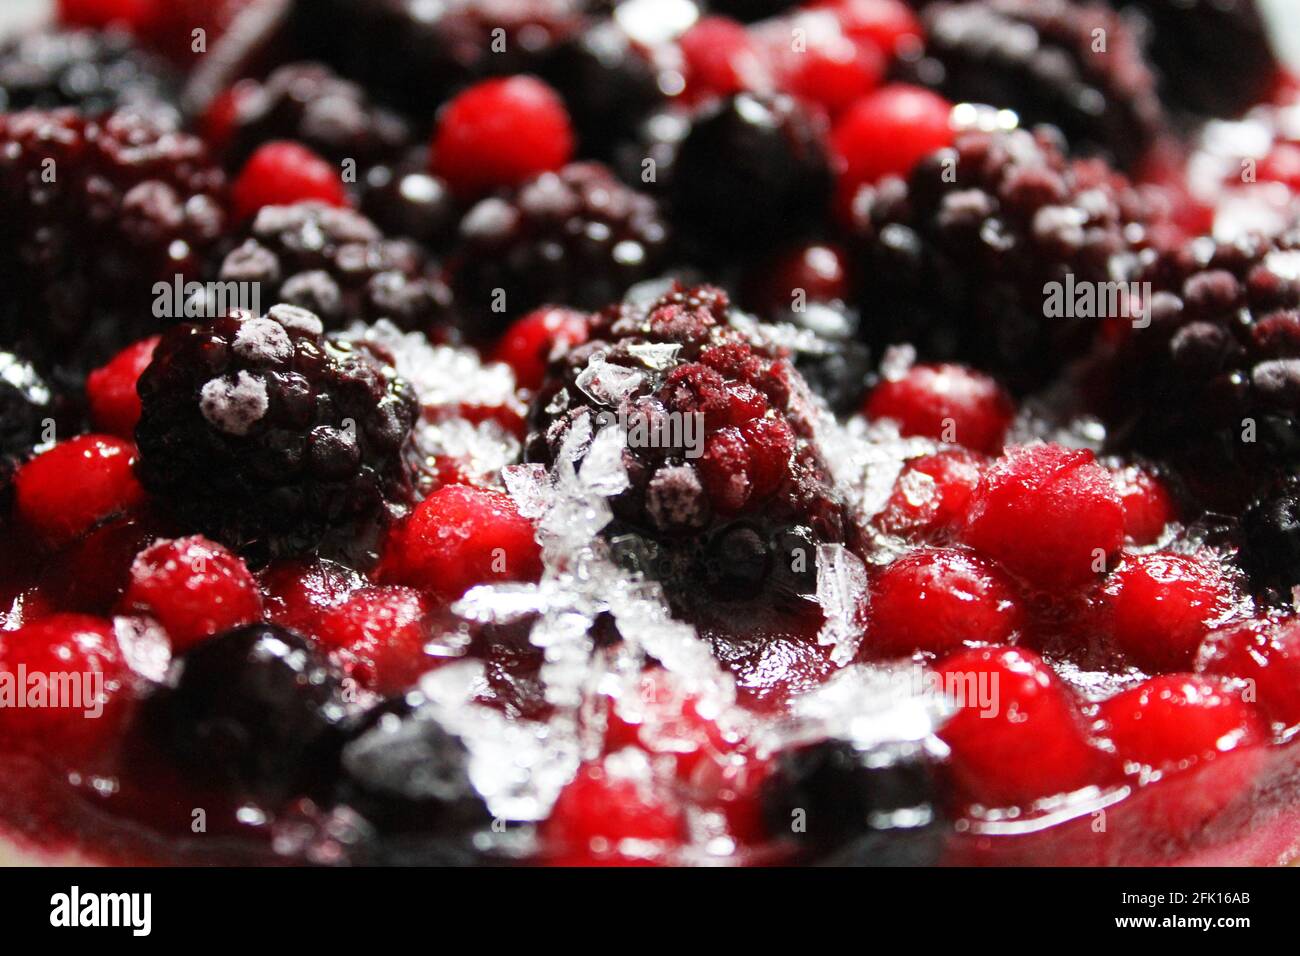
<point x="93" y="72"/>
<point x="337" y="264"/>
<point x="577" y="237"/>
<point x="1041" y="59"/>
<point x="264" y="434"/>
<point x="736" y="510"/>
<point x="957" y="264"/>
<point x="131" y="202"/>
<point x="751" y="175"/>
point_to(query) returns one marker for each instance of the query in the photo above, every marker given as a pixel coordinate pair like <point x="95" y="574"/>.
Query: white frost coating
<point x="607" y="384"/>
<point x="263" y="341"/>
<point x="236" y="406"/>
<point x="296" y="318"/>
<point x="841" y="592"/>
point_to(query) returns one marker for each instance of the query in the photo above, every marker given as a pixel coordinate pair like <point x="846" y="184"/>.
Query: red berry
<point x="65" y="491"/>
<point x="932" y="494"/>
<point x="378" y="636"/>
<point x="886" y="133"/>
<point x="889" y="24"/>
<point x="1281" y="165"/>
<point x="663" y="719"/>
<point x="940" y="600"/>
<point x="1162" y="606"/>
<point x="282" y="173"/>
<point x="832" y="69"/>
<point x="1267" y="655"/>
<point x="81" y="713"/>
<point x="604" y="818"/>
<point x="816" y="272"/>
<point x="1048" y="513"/>
<point x="721" y="58"/>
<point x="950" y="403"/>
<point x="299" y="593"/>
<point x="1148" y="506"/>
<point x="461" y="536"/>
<point x="110" y="389"/>
<point x="501" y="132"/>
<point x="528" y="344"/>
<point x="1017" y="734"/>
<point x="194" y="588"/>
<point x="102" y="13"/>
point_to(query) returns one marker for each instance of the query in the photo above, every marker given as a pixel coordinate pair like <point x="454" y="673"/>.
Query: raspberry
<point x="307" y="103"/>
<point x="501" y="133"/>
<point x="134" y="202"/>
<point x="932" y="494"/>
<point x="377" y="635"/>
<point x="337" y="264"/>
<point x="461" y="536"/>
<point x="26" y="404"/>
<point x="194" y="588"/>
<point x="720" y="58"/>
<point x="1148" y="505"/>
<point x="577" y="237"/>
<point x="1050" y="514"/>
<point x="64" y="492"/>
<point x="751" y="175"/>
<point x="1017" y="735"/>
<point x="940" y="601"/>
<point x="283" y="173"/>
<point x="735" y="511"/>
<point x="886" y="133"/>
<point x="1192" y="40"/>
<point x="946" y="402"/>
<point x="1266" y="653"/>
<point x="92" y="71"/>
<point x="64" y="650"/>
<point x="959" y="260"/>
<point x="256" y="708"/>
<point x="271" y="438"/>
<point x="1163" y="605"/>
<point x="527" y="346"/>
<point x="110" y="389"/>
<point x="606" y="819"/>
<point x="1041" y="59"/>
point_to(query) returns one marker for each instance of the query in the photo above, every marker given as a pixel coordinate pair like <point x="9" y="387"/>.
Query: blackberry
<point x="273" y="439"/>
<point x="957" y="260"/>
<point x="257" y="708"/>
<point x="859" y="808"/>
<point x="752" y="175"/>
<point x="1271" y="542"/>
<point x="1212" y="56"/>
<point x="26" y="402"/>
<point x="577" y="237"/>
<point x="1042" y="59"/>
<point x="96" y="212"/>
<point x="1215" y="378"/>
<point x="309" y="103"/>
<point x="91" y="71"/>
<point x="734" y="510"/>
<point x="337" y="264"/>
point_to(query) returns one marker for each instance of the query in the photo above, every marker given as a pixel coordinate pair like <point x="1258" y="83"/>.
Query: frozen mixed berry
<point x="103" y="13"/>
<point x="1078" y="66"/>
<point x="256" y="708"/>
<point x="529" y="344"/>
<point x="785" y="284"/>
<point x="68" y="651"/>
<point x="576" y="237"/>
<point x="337" y="264"/>
<point x="890" y="25"/>
<point x="851" y="806"/>
<point x="1271" y="535"/>
<point x="752" y="175"/>
<point x="169" y="27"/>
<point x="822" y="63"/>
<point x="65" y="491"/>
<point x="377" y="636"/>
<point x="501" y="132"/>
<point x="92" y="71"/>
<point x="607" y="818"/>
<point x="405" y="199"/>
<point x="728" y="493"/>
<point x="931" y="495"/>
<point x="1149" y="505"/>
<point x="940" y="601"/>
<point x="194" y="588"/>
<point x="1017" y="734"/>
<point x="1265" y="653"/>
<point x="1162" y="605"/>
<point x="1212" y="56"/>
<point x="1050" y="514"/>
<point x="298" y="593"/>
<point x="460" y="537"/>
<point x="273" y="439"/>
<point x="720" y="58"/>
<point x="132" y="202"/>
<point x="27" y="408"/>
<point x="950" y="403"/>
<point x="969" y="259"/>
<point x="282" y="173"/>
<point x="662" y="718"/>
<point x="110" y="389"/>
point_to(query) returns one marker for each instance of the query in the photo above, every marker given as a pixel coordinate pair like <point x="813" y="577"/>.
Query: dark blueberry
<point x="405" y="199"/>
<point x="1271" y="548"/>
<point x="257" y="708"/>
<point x="849" y="807"/>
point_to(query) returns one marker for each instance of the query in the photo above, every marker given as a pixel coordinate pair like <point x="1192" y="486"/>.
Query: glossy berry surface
<point x="602" y="818"/>
<point x="67" y="490"/>
<point x="1266" y="653"/>
<point x="283" y="173"/>
<point x="111" y="389"/>
<point x="946" y="402"/>
<point x="931" y="495"/>
<point x="528" y="343"/>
